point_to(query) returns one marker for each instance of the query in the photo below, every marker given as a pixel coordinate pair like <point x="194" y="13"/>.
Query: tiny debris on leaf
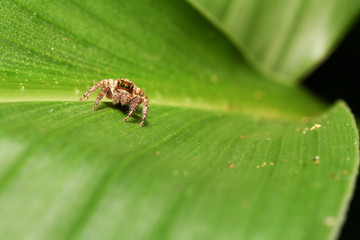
<point x="315" y="126"/>
<point x="230" y="164"/>
<point x="330" y="221"/>
<point x="317" y="160"/>
<point x="305" y="130"/>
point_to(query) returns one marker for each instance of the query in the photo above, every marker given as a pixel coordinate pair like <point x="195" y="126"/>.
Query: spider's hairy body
<point x="121" y="91"/>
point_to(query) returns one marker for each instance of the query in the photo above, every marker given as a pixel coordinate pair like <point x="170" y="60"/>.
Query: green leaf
<point x="57" y="52"/>
<point x="285" y="39"/>
<point x="72" y="173"/>
<point x="224" y="153"/>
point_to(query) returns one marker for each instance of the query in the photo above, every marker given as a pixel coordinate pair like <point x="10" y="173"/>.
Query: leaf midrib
<point x="258" y="113"/>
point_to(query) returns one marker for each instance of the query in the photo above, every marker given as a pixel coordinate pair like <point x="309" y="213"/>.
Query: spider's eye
<point x="122" y="85"/>
<point x="127" y="86"/>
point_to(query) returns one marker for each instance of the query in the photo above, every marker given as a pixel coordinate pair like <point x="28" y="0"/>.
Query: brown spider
<point x="121" y="91"/>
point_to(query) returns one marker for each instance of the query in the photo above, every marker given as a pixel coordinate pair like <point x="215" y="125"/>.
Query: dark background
<point x="337" y="78"/>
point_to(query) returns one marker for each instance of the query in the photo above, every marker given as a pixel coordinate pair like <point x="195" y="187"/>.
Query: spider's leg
<point x="100" y="96"/>
<point x="135" y="102"/>
<point x="93" y="88"/>
<point x="145" y="110"/>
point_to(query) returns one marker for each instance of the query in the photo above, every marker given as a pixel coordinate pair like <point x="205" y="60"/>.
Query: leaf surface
<point x="188" y="174"/>
<point x="224" y="152"/>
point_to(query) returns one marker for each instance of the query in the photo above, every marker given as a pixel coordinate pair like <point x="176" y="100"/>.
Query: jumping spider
<point x="121" y="91"/>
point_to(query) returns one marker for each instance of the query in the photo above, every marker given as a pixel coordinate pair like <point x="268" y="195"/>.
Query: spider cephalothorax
<point x="125" y="84"/>
<point x="121" y="91"/>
